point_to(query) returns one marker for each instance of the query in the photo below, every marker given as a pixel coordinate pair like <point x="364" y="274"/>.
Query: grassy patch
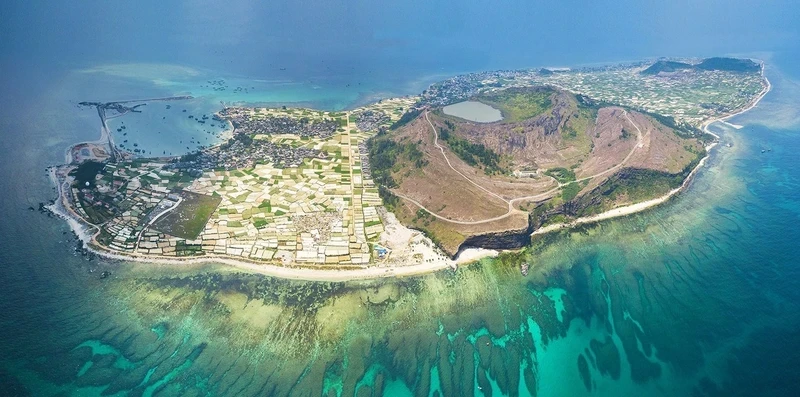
<point x="474" y="154"/>
<point x="569" y="191"/>
<point x="372" y="223"/>
<point x="188" y="220"/>
<point x="518" y="104"/>
<point x="406" y="118"/>
<point x="240" y="198"/>
<point x="562" y="175"/>
<point x="384" y="154"/>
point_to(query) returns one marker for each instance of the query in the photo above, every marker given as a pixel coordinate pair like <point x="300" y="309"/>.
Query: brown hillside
<point x="486" y="177"/>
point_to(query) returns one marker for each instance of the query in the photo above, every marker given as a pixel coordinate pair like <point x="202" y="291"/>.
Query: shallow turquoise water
<point x="159" y="130"/>
<point x="696" y="297"/>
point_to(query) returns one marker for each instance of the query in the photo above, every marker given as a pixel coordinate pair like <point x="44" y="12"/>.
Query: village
<point x="691" y="97"/>
<point x="291" y="187"/>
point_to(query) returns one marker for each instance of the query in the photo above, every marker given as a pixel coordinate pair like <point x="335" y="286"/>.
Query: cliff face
<point x="509" y="239"/>
<point x="534" y="139"/>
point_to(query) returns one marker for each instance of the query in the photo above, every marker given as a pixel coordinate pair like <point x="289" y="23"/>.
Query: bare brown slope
<point x="453" y="200"/>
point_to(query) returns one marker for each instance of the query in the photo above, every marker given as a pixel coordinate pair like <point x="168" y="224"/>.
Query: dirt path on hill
<point x="511" y="210"/>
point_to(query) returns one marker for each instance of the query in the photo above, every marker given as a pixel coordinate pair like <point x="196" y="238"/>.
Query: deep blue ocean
<point x="696" y="297"/>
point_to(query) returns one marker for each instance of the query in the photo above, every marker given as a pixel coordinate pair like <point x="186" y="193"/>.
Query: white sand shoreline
<point x="309" y="273"/>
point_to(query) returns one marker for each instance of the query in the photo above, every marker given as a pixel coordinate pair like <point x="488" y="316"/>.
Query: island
<point x="476" y="163"/>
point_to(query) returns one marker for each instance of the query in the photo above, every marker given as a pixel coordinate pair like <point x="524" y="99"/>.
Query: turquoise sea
<point x="696" y="297"/>
<point x="173" y="127"/>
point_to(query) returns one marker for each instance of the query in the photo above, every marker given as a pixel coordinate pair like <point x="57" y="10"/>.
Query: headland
<point x="402" y="187"/>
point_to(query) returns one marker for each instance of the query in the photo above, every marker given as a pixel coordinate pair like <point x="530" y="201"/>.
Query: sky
<point x="257" y="38"/>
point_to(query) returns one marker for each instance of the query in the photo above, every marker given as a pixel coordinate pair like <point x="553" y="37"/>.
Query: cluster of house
<point x="243" y="152"/>
<point x="689" y="97"/>
<point x="369" y="120"/>
<point x="363" y="152"/>
<point x="311" y="201"/>
<point x="134" y="203"/>
<point x="464" y="86"/>
<point x="248" y="122"/>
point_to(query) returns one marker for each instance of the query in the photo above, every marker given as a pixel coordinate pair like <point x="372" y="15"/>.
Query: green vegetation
<point x="635" y="185"/>
<point x="562" y="175"/>
<point x="729" y="64"/>
<point x="406" y="118"/>
<point x="474" y="154"/>
<point x="574" y="134"/>
<point x="384" y="154"/>
<point x="240" y="198"/>
<point x="390" y="200"/>
<point x="632" y="184"/>
<point x="96" y="213"/>
<point x="188" y="220"/>
<point x="540" y="210"/>
<point x="183" y="249"/>
<point x="245" y="139"/>
<point x="519" y="104"/>
<point x="104" y="237"/>
<point x="423" y="216"/>
<point x="259" y="222"/>
<point x="415" y="155"/>
<point x="86" y="173"/>
<point x="555" y="219"/>
<point x="665" y="66"/>
<point x="570" y="191"/>
<point x="441" y="234"/>
<point x="682" y="129"/>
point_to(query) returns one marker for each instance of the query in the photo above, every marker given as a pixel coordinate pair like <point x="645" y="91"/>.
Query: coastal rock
<point x="509" y="239"/>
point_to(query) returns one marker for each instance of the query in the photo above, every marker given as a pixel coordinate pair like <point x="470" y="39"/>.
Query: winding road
<point x="511" y="209"/>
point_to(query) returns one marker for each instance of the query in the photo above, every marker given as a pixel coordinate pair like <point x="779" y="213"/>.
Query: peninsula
<point x="476" y="163"/>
